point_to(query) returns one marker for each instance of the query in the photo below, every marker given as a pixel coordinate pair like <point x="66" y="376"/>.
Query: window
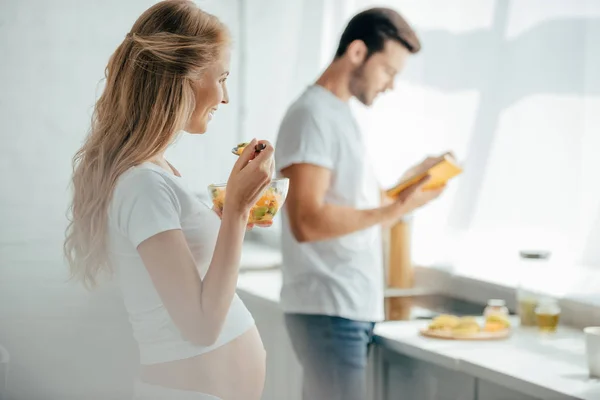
<point x="512" y="88"/>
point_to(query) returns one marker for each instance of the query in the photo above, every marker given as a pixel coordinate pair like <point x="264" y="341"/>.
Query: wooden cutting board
<point x="448" y="335"/>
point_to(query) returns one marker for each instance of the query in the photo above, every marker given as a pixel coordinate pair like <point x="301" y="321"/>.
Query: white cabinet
<point x="491" y="391"/>
<point x="406" y="378"/>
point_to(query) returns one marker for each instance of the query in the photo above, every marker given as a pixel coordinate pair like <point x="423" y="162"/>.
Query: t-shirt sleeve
<point x="144" y="206"/>
<point x="304" y="137"/>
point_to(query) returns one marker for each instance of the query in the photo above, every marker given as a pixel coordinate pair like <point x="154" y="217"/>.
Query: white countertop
<point x="541" y="366"/>
<point x="546" y="367"/>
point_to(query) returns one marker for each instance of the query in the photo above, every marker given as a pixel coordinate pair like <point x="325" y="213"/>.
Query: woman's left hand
<point x="249" y="226"/>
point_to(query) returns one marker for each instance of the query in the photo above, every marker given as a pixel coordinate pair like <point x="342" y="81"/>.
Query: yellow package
<point x="440" y="173"/>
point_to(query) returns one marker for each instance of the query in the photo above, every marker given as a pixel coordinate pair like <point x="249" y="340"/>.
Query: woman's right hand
<point x="249" y="177"/>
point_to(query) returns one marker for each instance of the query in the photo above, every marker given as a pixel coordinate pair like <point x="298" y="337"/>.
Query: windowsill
<point x="576" y="290"/>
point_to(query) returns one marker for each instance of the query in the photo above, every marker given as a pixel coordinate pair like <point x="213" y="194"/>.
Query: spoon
<point x="237" y="150"/>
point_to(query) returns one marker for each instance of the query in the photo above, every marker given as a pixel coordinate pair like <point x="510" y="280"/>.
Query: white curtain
<point x="510" y="86"/>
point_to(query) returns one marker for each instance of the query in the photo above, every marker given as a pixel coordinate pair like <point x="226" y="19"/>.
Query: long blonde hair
<point x="148" y="98"/>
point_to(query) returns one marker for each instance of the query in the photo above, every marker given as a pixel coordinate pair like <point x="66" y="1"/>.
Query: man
<point x="333" y="275"/>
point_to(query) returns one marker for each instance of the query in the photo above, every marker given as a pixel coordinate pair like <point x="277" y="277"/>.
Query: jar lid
<point x="548" y="305"/>
<point x="496" y="302"/>
<point x="547" y="301"/>
<point x="535" y="254"/>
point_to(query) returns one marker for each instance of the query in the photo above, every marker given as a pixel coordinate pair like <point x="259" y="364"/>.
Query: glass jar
<point x="496" y="307"/>
<point x="530" y="271"/>
<point x="547" y="315"/>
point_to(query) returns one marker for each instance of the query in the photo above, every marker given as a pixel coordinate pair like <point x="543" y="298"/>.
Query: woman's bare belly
<point x="233" y="371"/>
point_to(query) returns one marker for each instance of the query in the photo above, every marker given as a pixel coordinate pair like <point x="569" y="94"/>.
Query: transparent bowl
<point x="265" y="208"/>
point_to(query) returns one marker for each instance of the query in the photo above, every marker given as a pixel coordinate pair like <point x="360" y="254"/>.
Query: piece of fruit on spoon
<point x="237" y="150"/>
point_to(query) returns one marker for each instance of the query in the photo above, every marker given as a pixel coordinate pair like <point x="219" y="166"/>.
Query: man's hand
<point x="410" y="199"/>
<point x="412" y="171"/>
<point x="418" y="197"/>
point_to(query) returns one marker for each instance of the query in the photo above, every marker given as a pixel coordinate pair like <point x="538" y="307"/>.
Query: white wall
<point x="66" y="343"/>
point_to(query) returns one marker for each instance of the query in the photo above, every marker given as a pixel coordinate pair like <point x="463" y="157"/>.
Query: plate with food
<point x="452" y="327"/>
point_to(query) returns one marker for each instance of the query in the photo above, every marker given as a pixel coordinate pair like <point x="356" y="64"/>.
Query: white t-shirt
<point x="148" y="200"/>
<point x="341" y="276"/>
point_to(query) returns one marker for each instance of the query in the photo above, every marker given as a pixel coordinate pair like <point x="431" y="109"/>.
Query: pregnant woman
<point x="132" y="216"/>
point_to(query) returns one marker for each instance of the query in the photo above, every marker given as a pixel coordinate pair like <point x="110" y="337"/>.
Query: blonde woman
<point x="175" y="261"/>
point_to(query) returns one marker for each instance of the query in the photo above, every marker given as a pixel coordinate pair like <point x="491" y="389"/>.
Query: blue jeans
<point x="333" y="353"/>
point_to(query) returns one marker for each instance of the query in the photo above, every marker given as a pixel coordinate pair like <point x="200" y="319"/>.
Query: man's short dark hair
<point x="374" y="27"/>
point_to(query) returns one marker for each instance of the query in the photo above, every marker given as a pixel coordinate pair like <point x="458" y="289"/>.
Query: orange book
<point x="441" y="172"/>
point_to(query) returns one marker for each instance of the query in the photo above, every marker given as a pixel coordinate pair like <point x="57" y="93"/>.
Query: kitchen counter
<point x="527" y="364"/>
<point x="548" y="366"/>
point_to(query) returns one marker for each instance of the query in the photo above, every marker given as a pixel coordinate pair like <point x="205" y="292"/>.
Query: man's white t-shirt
<point x="341" y="276"/>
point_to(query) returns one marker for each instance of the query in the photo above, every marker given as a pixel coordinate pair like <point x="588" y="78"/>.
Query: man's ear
<point x="357" y="52"/>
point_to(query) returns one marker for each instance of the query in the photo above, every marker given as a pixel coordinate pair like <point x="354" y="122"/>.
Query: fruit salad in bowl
<point x="264" y="209"/>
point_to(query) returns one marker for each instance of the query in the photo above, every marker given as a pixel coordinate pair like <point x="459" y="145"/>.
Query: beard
<point x="358" y="85"/>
